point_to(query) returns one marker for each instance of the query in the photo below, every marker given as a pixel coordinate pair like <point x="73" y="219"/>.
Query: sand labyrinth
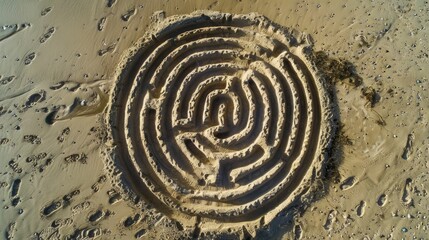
<point x="220" y="118"/>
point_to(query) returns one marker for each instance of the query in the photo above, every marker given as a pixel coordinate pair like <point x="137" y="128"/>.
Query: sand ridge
<point x="218" y="120"/>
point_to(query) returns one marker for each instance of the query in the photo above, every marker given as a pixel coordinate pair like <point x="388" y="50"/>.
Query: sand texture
<point x="214" y="119"/>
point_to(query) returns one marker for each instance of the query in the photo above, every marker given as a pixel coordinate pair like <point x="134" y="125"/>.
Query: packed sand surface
<point x="214" y="119"/>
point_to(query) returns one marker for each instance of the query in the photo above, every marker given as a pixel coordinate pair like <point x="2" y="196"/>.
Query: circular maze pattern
<point x="220" y="118"/>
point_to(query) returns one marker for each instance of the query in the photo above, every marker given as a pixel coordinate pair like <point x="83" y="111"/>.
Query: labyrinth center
<point x="219" y="117"/>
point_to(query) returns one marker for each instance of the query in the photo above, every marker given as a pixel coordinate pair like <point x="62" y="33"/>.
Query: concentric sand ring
<point x="219" y="118"/>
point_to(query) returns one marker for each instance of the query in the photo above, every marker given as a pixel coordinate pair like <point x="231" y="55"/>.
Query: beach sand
<point x="214" y="119"/>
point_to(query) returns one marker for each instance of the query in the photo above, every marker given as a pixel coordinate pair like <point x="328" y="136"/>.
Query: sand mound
<point x="218" y="120"/>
